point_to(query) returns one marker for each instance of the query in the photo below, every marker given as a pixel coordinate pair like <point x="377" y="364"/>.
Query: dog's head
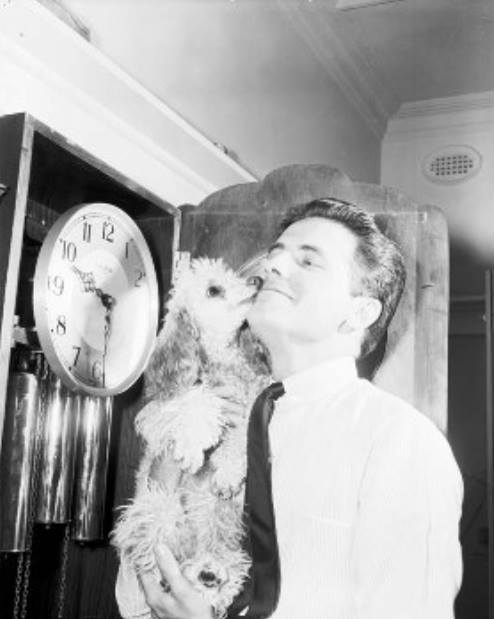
<point x="215" y="299"/>
<point x="206" y="308"/>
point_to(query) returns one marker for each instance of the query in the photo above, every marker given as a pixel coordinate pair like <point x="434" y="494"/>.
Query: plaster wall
<point x="424" y="127"/>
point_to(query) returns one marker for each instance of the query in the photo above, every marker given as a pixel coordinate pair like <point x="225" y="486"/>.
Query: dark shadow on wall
<point x="467" y="426"/>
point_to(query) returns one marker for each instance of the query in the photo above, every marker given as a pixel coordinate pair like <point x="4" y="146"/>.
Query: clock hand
<point x="106" y="336"/>
<point x="87" y="279"/>
<point x="89" y="283"/>
<point x="107" y="300"/>
<point x="109" y="303"/>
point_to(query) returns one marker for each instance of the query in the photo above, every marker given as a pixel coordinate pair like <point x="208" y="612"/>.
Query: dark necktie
<point x="264" y="586"/>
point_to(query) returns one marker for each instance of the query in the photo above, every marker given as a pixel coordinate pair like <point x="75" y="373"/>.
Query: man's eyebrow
<point x="312" y="248"/>
<point x="305" y="247"/>
<point x="276" y="245"/>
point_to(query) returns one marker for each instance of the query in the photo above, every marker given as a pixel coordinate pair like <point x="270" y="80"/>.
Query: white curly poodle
<point x="204" y="374"/>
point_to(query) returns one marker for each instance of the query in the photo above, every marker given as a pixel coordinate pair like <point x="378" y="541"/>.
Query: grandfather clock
<point x="77" y="241"/>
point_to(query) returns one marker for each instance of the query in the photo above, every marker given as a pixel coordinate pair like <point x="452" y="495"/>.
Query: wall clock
<point x="95" y="299"/>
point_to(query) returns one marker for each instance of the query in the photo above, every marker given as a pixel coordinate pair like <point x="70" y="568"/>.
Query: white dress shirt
<point x="367" y="498"/>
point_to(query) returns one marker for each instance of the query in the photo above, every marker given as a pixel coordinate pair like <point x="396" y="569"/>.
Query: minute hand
<point x="108" y="302"/>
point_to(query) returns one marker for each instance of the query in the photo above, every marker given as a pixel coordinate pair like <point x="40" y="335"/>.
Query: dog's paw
<point x="185" y="426"/>
<point x="226" y="483"/>
<point x="228" y="462"/>
<point x="151" y="420"/>
<point x="196" y="427"/>
<point x="228" y="475"/>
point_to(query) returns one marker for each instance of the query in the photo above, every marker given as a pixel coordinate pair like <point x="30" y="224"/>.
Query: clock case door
<point x="41" y="176"/>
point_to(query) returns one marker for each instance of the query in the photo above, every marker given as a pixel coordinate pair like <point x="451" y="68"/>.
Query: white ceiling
<point x="422" y="49"/>
<point x="405" y="49"/>
<point x="379" y="55"/>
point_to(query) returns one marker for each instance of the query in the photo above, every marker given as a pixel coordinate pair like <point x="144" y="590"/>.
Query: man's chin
<point x="256" y="316"/>
<point x="262" y="321"/>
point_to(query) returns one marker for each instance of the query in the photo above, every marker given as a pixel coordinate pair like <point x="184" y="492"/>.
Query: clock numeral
<point x="127" y="249"/>
<point x="61" y="326"/>
<point x="86" y="232"/>
<point x="77" y="350"/>
<point x="108" y="231"/>
<point x="56" y="284"/>
<point x="69" y="250"/>
<point x="140" y="275"/>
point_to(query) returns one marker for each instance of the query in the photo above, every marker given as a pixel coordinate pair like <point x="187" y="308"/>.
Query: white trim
<point x="462" y="113"/>
<point x="447" y="105"/>
<point x="75" y="98"/>
<point x="348" y="5"/>
<point x="397" y="133"/>
<point x="51" y="67"/>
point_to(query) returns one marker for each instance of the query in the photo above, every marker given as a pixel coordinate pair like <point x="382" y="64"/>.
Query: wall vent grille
<point x="452" y="164"/>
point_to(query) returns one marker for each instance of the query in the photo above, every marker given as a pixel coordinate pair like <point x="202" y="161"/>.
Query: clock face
<point x="96" y="299"/>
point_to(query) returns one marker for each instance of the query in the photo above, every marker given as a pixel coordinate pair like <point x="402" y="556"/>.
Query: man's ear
<point x="364" y="312"/>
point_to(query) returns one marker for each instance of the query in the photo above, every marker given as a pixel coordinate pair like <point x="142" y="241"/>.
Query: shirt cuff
<point x="129" y="595"/>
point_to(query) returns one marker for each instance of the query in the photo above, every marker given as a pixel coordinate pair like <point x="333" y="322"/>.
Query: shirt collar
<point x="325" y="378"/>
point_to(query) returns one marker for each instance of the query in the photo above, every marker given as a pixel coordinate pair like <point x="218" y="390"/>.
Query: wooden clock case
<point x="41" y="176"/>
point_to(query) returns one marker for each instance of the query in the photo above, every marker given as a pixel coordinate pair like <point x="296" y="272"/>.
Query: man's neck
<point x="289" y="358"/>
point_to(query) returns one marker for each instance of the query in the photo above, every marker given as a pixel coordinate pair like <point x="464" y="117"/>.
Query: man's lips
<point x="249" y="299"/>
<point x="269" y="288"/>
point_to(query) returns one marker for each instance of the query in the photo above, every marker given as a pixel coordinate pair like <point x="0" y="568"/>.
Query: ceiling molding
<point x="82" y="83"/>
<point x="350" y="5"/>
<point x="447" y="105"/>
<point x="351" y="70"/>
<point x="432" y="117"/>
<point x="66" y="15"/>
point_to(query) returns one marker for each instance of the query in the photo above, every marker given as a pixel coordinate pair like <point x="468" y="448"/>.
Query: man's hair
<point x="379" y="266"/>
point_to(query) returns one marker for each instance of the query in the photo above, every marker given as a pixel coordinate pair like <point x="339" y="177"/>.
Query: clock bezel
<point x="41" y="298"/>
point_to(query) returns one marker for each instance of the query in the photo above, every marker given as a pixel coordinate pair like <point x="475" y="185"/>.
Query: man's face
<point x="306" y="294"/>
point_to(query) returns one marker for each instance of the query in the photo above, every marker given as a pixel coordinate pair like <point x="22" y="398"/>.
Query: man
<point x="366" y="493"/>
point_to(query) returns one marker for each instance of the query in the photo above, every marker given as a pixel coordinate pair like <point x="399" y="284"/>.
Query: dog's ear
<point x="254" y="351"/>
<point x="176" y="361"/>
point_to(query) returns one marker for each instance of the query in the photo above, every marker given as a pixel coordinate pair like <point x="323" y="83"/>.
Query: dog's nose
<point x="256" y="281"/>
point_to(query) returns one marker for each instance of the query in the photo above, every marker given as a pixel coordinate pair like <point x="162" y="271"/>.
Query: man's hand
<point x="181" y="600"/>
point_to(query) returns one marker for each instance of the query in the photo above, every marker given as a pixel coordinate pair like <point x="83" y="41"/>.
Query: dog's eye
<point x="215" y="291"/>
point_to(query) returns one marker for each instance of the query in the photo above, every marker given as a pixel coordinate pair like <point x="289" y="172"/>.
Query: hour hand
<point x="89" y="283"/>
<point x="87" y="279"/>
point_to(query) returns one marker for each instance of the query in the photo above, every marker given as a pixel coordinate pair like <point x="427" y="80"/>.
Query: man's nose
<point x="278" y="263"/>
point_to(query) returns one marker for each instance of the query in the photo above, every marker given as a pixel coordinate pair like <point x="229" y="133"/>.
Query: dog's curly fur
<point x="191" y="476"/>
